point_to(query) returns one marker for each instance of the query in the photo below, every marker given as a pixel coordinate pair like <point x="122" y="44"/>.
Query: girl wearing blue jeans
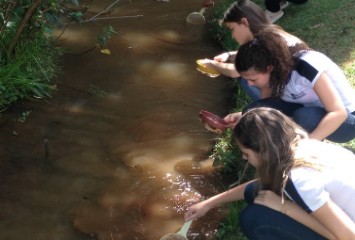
<point x="304" y="84"/>
<point x="304" y="187"/>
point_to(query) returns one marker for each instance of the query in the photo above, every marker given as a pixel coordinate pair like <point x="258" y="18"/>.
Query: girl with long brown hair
<point x="304" y="187"/>
<point x="302" y="83"/>
<point x="245" y="19"/>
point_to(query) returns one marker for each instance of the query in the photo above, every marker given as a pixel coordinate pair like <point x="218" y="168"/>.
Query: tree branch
<point x="22" y="25"/>
<point x="106" y="10"/>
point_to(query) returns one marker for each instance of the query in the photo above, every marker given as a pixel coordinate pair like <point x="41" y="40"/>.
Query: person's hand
<point x="223" y="57"/>
<point x="207" y="62"/>
<point x="269" y="199"/>
<point x="196" y="211"/>
<point x="207" y="3"/>
<point x="232" y="119"/>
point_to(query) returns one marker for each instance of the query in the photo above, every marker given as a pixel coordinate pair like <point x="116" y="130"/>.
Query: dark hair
<point x="273" y="135"/>
<point x="249" y="10"/>
<point x="269" y="48"/>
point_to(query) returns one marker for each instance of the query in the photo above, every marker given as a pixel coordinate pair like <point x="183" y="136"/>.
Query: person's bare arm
<point x="224" y="64"/>
<point x="336" y="112"/>
<point x="224" y="68"/>
<point x="226" y="57"/>
<point x="200" y="209"/>
<point x="335" y="220"/>
<point x="273" y="201"/>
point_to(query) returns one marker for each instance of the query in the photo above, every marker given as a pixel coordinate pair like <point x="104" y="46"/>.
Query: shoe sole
<point x="275" y="17"/>
<point x="285" y="5"/>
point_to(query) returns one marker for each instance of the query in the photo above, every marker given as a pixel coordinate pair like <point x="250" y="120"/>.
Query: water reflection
<point x="124" y="162"/>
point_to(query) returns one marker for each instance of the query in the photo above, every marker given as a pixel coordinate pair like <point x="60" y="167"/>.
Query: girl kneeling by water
<point x="245" y="19"/>
<point x="302" y="83"/>
<point x="304" y="190"/>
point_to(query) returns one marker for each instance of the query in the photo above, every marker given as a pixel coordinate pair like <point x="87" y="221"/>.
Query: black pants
<point x="274" y="5"/>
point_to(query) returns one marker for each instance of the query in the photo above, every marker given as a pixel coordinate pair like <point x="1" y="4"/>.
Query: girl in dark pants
<point x="304" y="188"/>
<point x="244" y="19"/>
<point x="304" y="84"/>
<point x="260" y="222"/>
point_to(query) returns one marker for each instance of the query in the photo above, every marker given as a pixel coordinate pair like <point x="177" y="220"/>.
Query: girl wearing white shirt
<point x="244" y="19"/>
<point x="305" y="85"/>
<point x="305" y="188"/>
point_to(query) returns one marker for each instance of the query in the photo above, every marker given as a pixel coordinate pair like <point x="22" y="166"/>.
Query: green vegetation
<point x="229" y="229"/>
<point x="28" y="59"/>
<point x="326" y="26"/>
<point x="28" y="56"/>
<point x="28" y="74"/>
<point x="96" y="91"/>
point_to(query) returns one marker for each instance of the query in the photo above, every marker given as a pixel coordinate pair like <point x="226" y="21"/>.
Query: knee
<point x="308" y="117"/>
<point x="245" y="220"/>
<point x="249" y="217"/>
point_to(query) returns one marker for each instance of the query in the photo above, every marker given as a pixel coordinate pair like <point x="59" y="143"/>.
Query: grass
<point x="328" y="27"/>
<point x="28" y="75"/>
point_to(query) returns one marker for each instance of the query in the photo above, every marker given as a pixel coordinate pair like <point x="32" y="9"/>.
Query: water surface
<point x="118" y="152"/>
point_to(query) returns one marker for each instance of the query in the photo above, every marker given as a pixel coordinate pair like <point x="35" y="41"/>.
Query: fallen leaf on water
<point x="106" y="51"/>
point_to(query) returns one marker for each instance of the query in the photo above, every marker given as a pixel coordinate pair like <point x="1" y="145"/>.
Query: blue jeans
<point x="309" y="117"/>
<point x="258" y="222"/>
<point x="251" y="91"/>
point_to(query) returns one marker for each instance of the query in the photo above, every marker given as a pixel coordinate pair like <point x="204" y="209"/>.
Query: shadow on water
<point x="118" y="152"/>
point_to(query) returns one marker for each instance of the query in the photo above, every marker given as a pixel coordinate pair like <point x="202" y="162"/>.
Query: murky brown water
<point x="118" y="152"/>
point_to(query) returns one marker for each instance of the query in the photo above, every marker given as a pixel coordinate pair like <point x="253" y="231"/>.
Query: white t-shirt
<point x="312" y="64"/>
<point x="335" y="179"/>
<point x="290" y="39"/>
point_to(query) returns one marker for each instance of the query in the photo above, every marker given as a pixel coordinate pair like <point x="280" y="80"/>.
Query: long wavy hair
<point x="249" y="10"/>
<point x="269" y="48"/>
<point x="274" y="136"/>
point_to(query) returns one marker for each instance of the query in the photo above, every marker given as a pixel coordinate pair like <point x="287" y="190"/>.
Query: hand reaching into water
<point x="197" y="210"/>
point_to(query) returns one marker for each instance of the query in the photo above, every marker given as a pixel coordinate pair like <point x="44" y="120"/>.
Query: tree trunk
<point x="22" y="25"/>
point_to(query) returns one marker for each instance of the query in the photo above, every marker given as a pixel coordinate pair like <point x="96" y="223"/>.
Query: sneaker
<point x="283" y="4"/>
<point x="274" y="16"/>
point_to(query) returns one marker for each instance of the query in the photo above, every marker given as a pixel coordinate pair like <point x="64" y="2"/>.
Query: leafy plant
<point x="28" y="74"/>
<point x="94" y="90"/>
<point x="24" y="116"/>
<point x="225" y="154"/>
<point x="229" y="228"/>
<point x="28" y="58"/>
<point x="105" y="35"/>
